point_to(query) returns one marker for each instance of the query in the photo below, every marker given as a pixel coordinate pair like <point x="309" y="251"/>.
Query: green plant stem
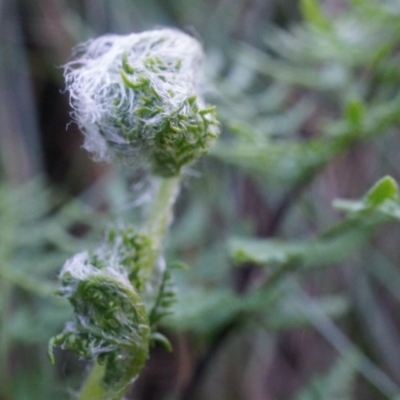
<point x="93" y="388"/>
<point x="161" y="212"/>
<point x="159" y="218"/>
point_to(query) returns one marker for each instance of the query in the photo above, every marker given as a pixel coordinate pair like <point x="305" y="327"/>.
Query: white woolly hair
<point x="99" y="96"/>
<point x="80" y="268"/>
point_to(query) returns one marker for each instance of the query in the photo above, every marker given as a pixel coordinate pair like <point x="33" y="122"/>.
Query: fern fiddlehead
<point x="138" y="100"/>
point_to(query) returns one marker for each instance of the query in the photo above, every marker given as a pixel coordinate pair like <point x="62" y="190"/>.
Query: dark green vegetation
<point x="285" y="296"/>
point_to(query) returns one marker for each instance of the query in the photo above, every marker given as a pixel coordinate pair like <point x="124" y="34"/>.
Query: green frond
<point x="110" y="321"/>
<point x="165" y="299"/>
<point x="379" y="205"/>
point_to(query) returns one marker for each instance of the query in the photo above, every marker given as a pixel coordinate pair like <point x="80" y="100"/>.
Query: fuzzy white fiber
<point x="80" y="268"/>
<point x="106" y="109"/>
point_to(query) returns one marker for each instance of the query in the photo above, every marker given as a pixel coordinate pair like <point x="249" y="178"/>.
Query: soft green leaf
<point x="312" y="12"/>
<point x="385" y="189"/>
<point x="300" y="254"/>
<point x="333" y="245"/>
<point x="158" y="337"/>
<point x="355" y="112"/>
<point x="382" y="199"/>
<point x="205" y="311"/>
<point x="263" y="251"/>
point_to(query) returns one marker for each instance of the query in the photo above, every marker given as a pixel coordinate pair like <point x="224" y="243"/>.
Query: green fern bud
<point x="119" y="293"/>
<point x="138" y="99"/>
<point x="110" y="320"/>
<point x="133" y="251"/>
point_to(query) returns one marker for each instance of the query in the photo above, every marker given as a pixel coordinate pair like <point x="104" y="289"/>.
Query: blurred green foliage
<point x="310" y="111"/>
<point x="37" y="233"/>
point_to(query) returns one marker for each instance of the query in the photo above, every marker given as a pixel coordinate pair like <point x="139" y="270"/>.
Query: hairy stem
<point x="161" y="212"/>
<point x="159" y="218"/>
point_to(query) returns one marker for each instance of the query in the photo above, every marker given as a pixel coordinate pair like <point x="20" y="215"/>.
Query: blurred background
<point x="308" y="97"/>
